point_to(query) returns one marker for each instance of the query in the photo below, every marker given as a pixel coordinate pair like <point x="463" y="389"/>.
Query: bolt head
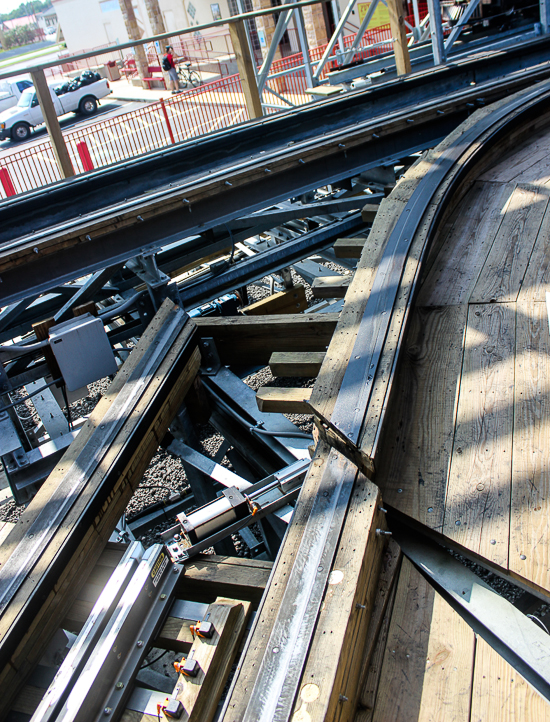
<point x="139" y="643"/>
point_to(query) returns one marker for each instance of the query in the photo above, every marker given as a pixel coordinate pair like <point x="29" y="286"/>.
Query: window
<point x="191" y="10"/>
<point x="109" y="6"/>
<point x="247" y="8"/>
<point x="216" y="12"/>
<point x="27" y="99"/>
<point x="22" y="84"/>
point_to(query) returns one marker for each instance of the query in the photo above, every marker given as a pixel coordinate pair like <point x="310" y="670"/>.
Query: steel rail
<point x="114" y="187"/>
<point x="148" y="222"/>
<point x="274" y="689"/>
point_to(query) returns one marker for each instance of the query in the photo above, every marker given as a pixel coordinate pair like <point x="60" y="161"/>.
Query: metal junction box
<point x="82" y="350"/>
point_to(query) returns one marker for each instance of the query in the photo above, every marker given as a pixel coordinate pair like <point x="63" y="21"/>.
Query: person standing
<point x="169" y="65"/>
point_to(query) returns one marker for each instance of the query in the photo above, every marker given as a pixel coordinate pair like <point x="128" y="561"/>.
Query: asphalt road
<point x="107" y="109"/>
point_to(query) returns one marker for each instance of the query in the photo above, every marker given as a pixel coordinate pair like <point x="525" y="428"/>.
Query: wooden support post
<point x="52" y="123"/>
<point x="399" y="35"/>
<point x="245" y="65"/>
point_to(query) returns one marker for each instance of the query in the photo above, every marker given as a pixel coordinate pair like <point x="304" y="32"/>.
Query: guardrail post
<point x="52" y="123"/>
<point x="167" y="120"/>
<point x="246" y="69"/>
<point x="399" y="35"/>
<point x="7" y="184"/>
<point x="85" y="156"/>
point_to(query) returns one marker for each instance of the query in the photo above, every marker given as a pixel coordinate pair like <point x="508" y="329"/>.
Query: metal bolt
<point x="320" y="568"/>
<point x="374" y="135"/>
<point x="382" y="532"/>
<point x="384" y="511"/>
<point x="493" y="541"/>
<point x="457" y="522"/>
<point x="430" y="509"/>
<point x="267" y="170"/>
<point x="301" y="161"/>
<point x="139" y="643"/>
<point x="140" y="218"/>
<point x="360" y="606"/>
<point x="209" y="368"/>
<point x="119" y="685"/>
<point x="88" y="238"/>
<point x="35" y="250"/>
<point x="175" y="569"/>
<point x="162" y="597"/>
<point x="410" y="120"/>
<point x="400" y="491"/>
<point x="441" y="112"/>
<point x="343" y="698"/>
<point x="275" y="650"/>
<point x="184" y="200"/>
<point x="227" y="183"/>
<point x="341" y="145"/>
<point x="107" y="711"/>
<point x="522" y="556"/>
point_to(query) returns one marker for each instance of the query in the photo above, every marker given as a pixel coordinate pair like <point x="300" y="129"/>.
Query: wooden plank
<point x="250" y="340"/>
<point x="387" y="582"/>
<point x="245" y="64"/>
<point x="369" y="687"/>
<point x="176" y="635"/>
<point x="28" y="700"/>
<point x="530" y="498"/>
<point x="349" y="247"/>
<point x="209" y="575"/>
<point x="330" y="679"/>
<point x="536" y="282"/>
<point x="200" y="695"/>
<point x="500" y="694"/>
<point x="330" y="286"/>
<point x="248" y="668"/>
<point x="502" y="274"/>
<point x="477" y="509"/>
<point x="428" y="661"/>
<point x="528" y="152"/>
<point x="291" y="300"/>
<point x="464" y="249"/>
<point x="296" y="364"/>
<point x="414" y="455"/>
<point x="369" y="211"/>
<point x="283" y="400"/>
<point x="5" y="529"/>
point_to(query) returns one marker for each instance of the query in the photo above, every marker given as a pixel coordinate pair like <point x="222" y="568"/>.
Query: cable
<point x="232" y="243"/>
<point x="283" y="434"/>
<point x="154" y="660"/>
<point x="26" y="398"/>
<point x="66" y="400"/>
<point x="257" y="429"/>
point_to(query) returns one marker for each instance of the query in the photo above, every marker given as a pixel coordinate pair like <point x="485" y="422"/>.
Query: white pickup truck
<point x="10" y="92"/>
<point x="16" y="123"/>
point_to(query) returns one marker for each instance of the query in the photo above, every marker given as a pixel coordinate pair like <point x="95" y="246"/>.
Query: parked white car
<point x="10" y="92"/>
<point x="16" y="123"/>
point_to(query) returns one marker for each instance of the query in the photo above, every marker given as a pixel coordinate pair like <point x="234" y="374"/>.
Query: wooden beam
<point x="250" y="340"/>
<point x="369" y="211"/>
<point x="349" y="247"/>
<point x="330" y="286"/>
<point x="52" y="123"/>
<point x="283" y="400"/>
<point x="296" y="363"/>
<point x="210" y="575"/>
<point x="399" y="35"/>
<point x="291" y="300"/>
<point x="245" y="65"/>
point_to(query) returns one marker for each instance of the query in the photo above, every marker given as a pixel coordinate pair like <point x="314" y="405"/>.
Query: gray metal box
<point x="82" y="350"/>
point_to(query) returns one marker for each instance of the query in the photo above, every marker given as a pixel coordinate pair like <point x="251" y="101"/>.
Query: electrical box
<point x="82" y="351"/>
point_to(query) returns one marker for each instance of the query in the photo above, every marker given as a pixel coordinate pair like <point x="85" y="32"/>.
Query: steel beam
<point x="466" y="15"/>
<point x="436" y="32"/>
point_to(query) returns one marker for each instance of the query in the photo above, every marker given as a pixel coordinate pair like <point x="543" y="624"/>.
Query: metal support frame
<point x="466" y="15"/>
<point x="304" y="46"/>
<point x="282" y="24"/>
<point x="348" y="56"/>
<point x="87" y="291"/>
<point x="544" y="6"/>
<point x="336" y="36"/>
<point x="522" y="643"/>
<point x="436" y="32"/>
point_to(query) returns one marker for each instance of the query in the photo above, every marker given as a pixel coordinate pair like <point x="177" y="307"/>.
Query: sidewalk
<point x="125" y="91"/>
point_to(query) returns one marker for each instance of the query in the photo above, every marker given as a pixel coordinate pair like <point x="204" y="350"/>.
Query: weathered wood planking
<point x="500" y="694"/>
<point x="503" y="271"/>
<point x="330" y="680"/>
<point x="428" y="660"/>
<point x="528" y="152"/>
<point x="414" y="457"/>
<point x="296" y="363"/>
<point x="252" y="339"/>
<point x="455" y="270"/>
<point x="291" y="300"/>
<point x="477" y="508"/>
<point x="530" y="498"/>
<point x="536" y="282"/>
<point x="279" y="400"/>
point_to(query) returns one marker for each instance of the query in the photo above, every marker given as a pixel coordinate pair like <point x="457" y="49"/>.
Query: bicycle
<point x="186" y="75"/>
